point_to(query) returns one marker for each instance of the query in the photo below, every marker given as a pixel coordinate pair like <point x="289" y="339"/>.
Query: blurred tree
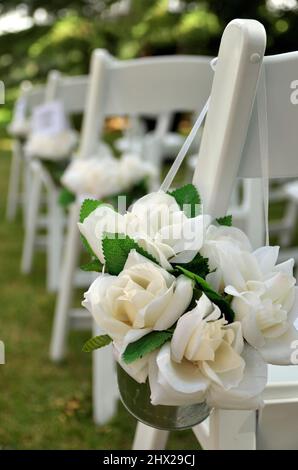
<point x="62" y="33"/>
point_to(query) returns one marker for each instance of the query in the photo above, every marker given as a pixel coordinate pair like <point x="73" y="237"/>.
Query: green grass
<point x="42" y="405"/>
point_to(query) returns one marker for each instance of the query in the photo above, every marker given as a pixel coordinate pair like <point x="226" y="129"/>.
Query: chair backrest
<point x="221" y="160"/>
<point x="71" y="91"/>
<point x="141" y="86"/>
<point x="233" y="92"/>
<point x="30" y="96"/>
<point x="281" y="79"/>
<point x="230" y="149"/>
<point x="34" y="97"/>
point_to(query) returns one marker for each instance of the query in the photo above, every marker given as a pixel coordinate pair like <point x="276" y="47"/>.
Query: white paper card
<point x="49" y="119"/>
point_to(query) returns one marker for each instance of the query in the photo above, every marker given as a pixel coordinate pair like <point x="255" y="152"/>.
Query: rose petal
<point x="176" y="391"/>
<point x="248" y="393"/>
<point x="278" y="351"/>
<point x="138" y="369"/>
<point x="266" y="257"/>
<point x="103" y="219"/>
<point x="178" y="303"/>
<point x="93" y="302"/>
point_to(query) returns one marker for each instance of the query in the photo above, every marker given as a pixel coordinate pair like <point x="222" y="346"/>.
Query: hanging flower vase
<point x="136" y="399"/>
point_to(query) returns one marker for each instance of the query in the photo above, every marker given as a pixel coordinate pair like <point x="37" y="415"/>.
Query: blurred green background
<point x="37" y="36"/>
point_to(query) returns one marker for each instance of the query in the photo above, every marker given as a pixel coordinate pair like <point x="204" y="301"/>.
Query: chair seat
<point x="278" y="374"/>
<point x="278" y="420"/>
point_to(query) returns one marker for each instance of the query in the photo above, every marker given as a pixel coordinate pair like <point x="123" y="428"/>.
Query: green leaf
<point x="226" y="220"/>
<point x="198" y="265"/>
<point x="93" y="265"/>
<point x="145" y="345"/>
<point x="188" y="198"/>
<point x="66" y="197"/>
<point x="116" y="248"/>
<point x="88" y="206"/>
<point x="96" y="342"/>
<point x="216" y="298"/>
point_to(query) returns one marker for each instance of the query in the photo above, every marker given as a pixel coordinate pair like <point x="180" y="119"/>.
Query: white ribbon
<point x="264" y="142"/>
<point x="184" y="149"/>
<point x="187" y="143"/>
<point x="263" y="139"/>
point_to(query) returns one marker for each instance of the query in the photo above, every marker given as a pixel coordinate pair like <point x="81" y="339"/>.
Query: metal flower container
<point x="136" y="399"/>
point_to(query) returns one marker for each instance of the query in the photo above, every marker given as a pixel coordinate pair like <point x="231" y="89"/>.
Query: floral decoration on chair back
<point x="186" y="302"/>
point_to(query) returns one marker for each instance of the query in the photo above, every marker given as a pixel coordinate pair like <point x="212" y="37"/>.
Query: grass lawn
<point x="45" y="406"/>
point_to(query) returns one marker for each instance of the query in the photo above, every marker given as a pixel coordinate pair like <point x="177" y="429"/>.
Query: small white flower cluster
<point x="104" y="175"/>
<point x="207" y="358"/>
<point x="49" y="147"/>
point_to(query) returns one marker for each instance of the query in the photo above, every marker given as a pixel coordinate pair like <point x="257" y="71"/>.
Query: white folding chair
<point x="221" y="158"/>
<point x="30" y="96"/>
<point x="136" y="87"/>
<point x="71" y="92"/>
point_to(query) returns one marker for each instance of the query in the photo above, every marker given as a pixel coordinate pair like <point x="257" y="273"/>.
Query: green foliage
<point x="55" y="169"/>
<point x="116" y="248"/>
<point x="199" y="265"/>
<point x="188" y="198"/>
<point x="96" y="342"/>
<point x="226" y="220"/>
<point x="66" y="197"/>
<point x="88" y="206"/>
<point x="94" y="265"/>
<point x="216" y="298"/>
<point x="145" y="345"/>
<point x="74" y="28"/>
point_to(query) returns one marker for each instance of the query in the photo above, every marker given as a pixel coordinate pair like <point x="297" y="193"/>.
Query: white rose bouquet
<point x="186" y="302"/>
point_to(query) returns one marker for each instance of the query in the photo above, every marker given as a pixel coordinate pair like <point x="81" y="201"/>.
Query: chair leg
<point x="64" y="295"/>
<point x="55" y="238"/>
<point x="147" y="438"/>
<point x="14" y="181"/>
<point x="105" y="389"/>
<point x="232" y="430"/>
<point x="31" y="223"/>
<point x="27" y="177"/>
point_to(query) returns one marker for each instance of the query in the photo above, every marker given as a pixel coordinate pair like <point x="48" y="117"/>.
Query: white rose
<point x="142" y="298"/>
<point x="103" y="175"/>
<point x="264" y="297"/>
<point x="101" y="220"/>
<point x="157" y="224"/>
<point x="207" y="360"/>
<point x="220" y="240"/>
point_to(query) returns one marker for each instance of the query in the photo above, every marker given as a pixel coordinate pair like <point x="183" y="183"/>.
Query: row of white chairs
<point x="159" y="87"/>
